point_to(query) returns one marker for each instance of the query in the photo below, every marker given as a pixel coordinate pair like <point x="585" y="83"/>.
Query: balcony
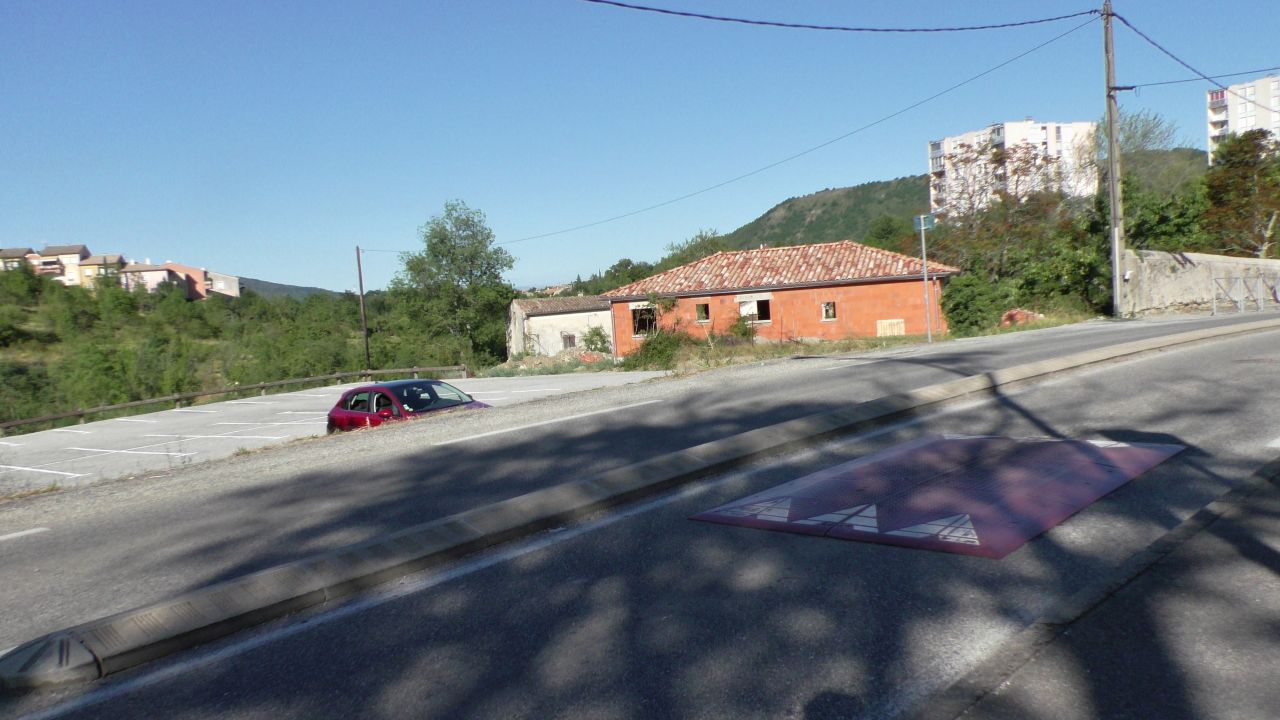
<point x="1215" y="104"/>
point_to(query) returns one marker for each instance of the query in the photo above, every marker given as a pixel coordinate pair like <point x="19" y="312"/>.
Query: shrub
<point x="742" y="328"/>
<point x="658" y="351"/>
<point x="972" y="304"/>
<point x="596" y="340"/>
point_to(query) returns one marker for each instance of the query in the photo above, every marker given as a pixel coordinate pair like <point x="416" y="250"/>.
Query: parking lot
<point x="161" y="441"/>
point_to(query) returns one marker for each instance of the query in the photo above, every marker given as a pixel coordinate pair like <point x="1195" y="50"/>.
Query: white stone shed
<point x="547" y="326"/>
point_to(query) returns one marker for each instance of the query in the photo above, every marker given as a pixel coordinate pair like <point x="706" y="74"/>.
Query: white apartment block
<point x="1243" y="107"/>
<point x="1071" y="146"/>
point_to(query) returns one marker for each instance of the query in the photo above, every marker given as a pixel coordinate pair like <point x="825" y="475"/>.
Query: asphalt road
<point x="643" y="614"/>
<point x="173" y="439"/>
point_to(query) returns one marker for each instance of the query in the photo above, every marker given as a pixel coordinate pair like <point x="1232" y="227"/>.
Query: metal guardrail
<point x="180" y="398"/>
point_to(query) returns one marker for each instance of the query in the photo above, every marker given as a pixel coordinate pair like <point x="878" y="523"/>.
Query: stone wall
<point x="1161" y="282"/>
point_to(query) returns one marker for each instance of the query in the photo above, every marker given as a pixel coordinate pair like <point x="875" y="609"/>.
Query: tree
<point x="1152" y="157"/>
<point x="1243" y="191"/>
<point x="457" y="279"/>
<point x="887" y="232"/>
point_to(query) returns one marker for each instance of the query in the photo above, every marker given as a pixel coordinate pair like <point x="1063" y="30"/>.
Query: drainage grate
<point x="973" y="495"/>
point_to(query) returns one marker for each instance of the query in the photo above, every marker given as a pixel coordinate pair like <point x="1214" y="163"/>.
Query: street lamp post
<point x="923" y="223"/>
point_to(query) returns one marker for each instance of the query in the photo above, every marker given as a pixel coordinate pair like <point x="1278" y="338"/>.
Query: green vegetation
<point x="838" y="214"/>
<point x="65" y="348"/>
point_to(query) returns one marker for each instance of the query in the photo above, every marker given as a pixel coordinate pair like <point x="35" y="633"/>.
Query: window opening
<point x="828" y="311"/>
<point x="754" y="310"/>
<point x="643" y="321"/>
<point x="703" y="311"/>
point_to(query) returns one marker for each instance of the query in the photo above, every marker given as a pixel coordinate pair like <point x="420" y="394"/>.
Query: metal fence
<point x="1245" y="293"/>
<point x="260" y="388"/>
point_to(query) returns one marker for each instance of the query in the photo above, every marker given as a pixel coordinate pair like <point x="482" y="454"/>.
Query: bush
<point x="658" y="351"/>
<point x="972" y="304"/>
<point x="742" y="328"/>
<point x="596" y="340"/>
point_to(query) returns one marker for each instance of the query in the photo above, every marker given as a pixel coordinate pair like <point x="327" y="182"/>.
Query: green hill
<point x="833" y="215"/>
<point x="269" y="289"/>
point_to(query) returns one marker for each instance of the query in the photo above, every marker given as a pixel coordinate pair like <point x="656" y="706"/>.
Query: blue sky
<point x="269" y="139"/>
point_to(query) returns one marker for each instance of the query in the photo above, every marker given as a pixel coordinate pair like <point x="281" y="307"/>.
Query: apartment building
<point x="1064" y="154"/>
<point x="1241" y="107"/>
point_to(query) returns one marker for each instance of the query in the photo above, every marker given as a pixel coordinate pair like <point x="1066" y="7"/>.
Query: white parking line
<point x="24" y="533"/>
<point x="135" y="420"/>
<point x="9" y="444"/>
<point x="39" y="470"/>
<point x="1274" y="443"/>
<point x="222" y="437"/>
<point x="264" y="424"/>
<point x="252" y="402"/>
<point x="130" y="452"/>
<point x="548" y="422"/>
<point x="500" y="392"/>
<point x="77" y="432"/>
<point x="193" y="410"/>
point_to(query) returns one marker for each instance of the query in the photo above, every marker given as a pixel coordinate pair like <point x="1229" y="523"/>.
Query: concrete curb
<point x="100" y="647"/>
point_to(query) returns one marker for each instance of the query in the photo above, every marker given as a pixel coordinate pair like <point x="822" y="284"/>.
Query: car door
<point x="356" y="412"/>
<point x="385" y="408"/>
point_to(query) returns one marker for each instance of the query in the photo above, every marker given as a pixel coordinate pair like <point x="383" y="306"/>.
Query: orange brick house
<point x="802" y="292"/>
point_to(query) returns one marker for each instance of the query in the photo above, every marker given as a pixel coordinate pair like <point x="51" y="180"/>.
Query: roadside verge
<point x="94" y="649"/>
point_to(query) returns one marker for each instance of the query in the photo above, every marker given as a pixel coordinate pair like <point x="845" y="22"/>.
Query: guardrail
<point x="179" y="398"/>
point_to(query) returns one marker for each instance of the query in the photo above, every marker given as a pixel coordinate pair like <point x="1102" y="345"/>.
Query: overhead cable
<point x="813" y="149"/>
<point x="1177" y="59"/>
<point x="836" y="28"/>
<point x="1211" y="77"/>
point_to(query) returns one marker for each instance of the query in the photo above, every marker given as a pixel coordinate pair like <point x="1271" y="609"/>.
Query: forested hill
<point x="269" y="289"/>
<point x="833" y="215"/>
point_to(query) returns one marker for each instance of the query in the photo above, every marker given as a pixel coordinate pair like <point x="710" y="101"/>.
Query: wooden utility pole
<point x="1113" y="167"/>
<point x="364" y="323"/>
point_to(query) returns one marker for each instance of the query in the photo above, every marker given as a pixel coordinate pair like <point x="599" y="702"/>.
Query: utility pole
<point x="364" y="323"/>
<point x="1113" y="166"/>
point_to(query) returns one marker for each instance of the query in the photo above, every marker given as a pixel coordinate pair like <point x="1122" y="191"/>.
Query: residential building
<point x="546" y="326"/>
<point x="221" y="283"/>
<point x="62" y="262"/>
<point x="13" y="258"/>
<point x="962" y="177"/>
<point x="95" y="267"/>
<point x="142" y="275"/>
<point x="802" y="292"/>
<point x="1241" y="107"/>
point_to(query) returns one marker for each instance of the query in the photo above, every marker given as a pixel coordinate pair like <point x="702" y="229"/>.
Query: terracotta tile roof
<point x="781" y="267"/>
<point x="558" y="305"/>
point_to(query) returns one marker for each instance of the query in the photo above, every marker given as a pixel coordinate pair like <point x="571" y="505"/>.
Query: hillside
<point x="274" y="290"/>
<point x="832" y="215"/>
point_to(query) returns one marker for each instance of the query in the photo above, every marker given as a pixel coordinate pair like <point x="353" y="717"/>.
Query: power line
<point x="802" y="153"/>
<point x="1212" y="77"/>
<point x="837" y="28"/>
<point x="1177" y="59"/>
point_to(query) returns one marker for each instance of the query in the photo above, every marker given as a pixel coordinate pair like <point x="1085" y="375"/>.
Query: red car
<point x="371" y="405"/>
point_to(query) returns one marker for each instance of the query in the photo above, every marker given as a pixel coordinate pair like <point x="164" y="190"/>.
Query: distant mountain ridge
<point x="834" y="214"/>
<point x="274" y="290"/>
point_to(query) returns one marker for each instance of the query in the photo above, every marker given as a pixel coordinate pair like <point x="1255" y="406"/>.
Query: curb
<point x="107" y="645"/>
